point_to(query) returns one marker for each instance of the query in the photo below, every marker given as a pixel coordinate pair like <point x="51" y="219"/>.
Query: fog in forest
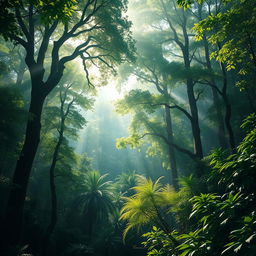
<point x="127" y="128"/>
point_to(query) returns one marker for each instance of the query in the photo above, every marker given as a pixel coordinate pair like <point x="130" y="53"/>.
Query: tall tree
<point x="200" y="11"/>
<point x="174" y="27"/>
<point x="182" y="41"/>
<point x="69" y="115"/>
<point x="155" y="77"/>
<point x="43" y="28"/>
<point x="146" y="105"/>
<point x="216" y="91"/>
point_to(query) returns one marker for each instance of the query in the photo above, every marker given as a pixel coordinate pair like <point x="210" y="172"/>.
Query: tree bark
<point x="53" y="220"/>
<point x="198" y="149"/>
<point x="12" y="226"/>
<point x="216" y="101"/>
<point x="184" y="47"/>
<point x="227" y="107"/>
<point x="172" y="157"/>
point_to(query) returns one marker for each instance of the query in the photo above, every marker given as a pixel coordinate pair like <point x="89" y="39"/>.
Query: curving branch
<point x="181" y="149"/>
<point x="181" y="109"/>
<point x="143" y="77"/>
<point x="95" y="27"/>
<point x="206" y="82"/>
<point x="20" y="41"/>
<point x="87" y="74"/>
<point x="199" y="94"/>
<point x="157" y="84"/>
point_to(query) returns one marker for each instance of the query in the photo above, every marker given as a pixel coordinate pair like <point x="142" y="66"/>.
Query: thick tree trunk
<point x="172" y="157"/>
<point x="12" y="226"/>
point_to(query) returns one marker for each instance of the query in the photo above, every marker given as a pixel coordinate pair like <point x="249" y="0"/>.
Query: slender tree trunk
<point x="53" y="220"/>
<point x="198" y="149"/>
<point x="219" y="118"/>
<point x="172" y="157"/>
<point x="12" y="226"/>
<point x="228" y="109"/>
<point x="228" y="123"/>
<point x="184" y="47"/>
<point x="216" y="100"/>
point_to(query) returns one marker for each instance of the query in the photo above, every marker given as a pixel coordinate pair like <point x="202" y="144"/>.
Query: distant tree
<point x="150" y="125"/>
<point x="171" y="28"/>
<point x="156" y="100"/>
<point x="43" y="29"/>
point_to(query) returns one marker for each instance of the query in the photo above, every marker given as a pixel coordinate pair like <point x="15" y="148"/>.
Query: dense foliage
<point x="227" y="209"/>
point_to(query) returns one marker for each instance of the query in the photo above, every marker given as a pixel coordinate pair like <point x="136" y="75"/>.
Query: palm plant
<point x="96" y="202"/>
<point x="146" y="204"/>
<point x="125" y="182"/>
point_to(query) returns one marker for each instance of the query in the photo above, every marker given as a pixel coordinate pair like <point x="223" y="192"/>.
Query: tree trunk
<point x="219" y="118"/>
<point x="53" y="220"/>
<point x="198" y="149"/>
<point x="172" y="157"/>
<point x="228" y="109"/>
<point x="184" y="47"/>
<point x="216" y="101"/>
<point x="12" y="226"/>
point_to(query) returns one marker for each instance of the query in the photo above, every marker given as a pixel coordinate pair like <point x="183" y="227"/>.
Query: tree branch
<point x="183" y="150"/>
<point x="20" y="41"/>
<point x="96" y="26"/>
<point x="45" y="42"/>
<point x="21" y="23"/>
<point x="206" y="82"/>
<point x="158" y="87"/>
<point x="87" y="74"/>
<point x="199" y="94"/>
<point x="176" y="38"/>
